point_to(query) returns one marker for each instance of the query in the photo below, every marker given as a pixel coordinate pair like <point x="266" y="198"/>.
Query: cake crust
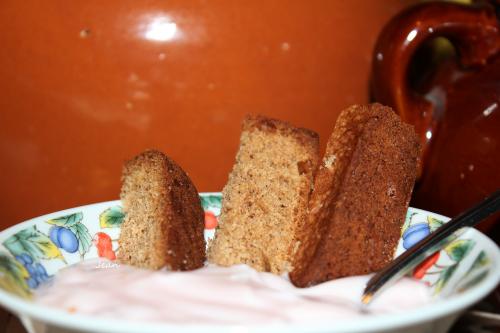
<point x="304" y="136"/>
<point x="361" y="194"/>
<point x="164" y="220"/>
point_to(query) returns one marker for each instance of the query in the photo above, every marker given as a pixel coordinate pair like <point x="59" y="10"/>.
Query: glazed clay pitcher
<point x="453" y="105"/>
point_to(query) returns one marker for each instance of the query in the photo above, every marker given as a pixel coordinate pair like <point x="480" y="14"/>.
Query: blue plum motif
<point x="414" y="234"/>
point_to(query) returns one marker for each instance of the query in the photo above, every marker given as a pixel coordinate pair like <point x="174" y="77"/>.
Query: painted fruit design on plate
<point x="414" y="234"/>
<point x="70" y="234"/>
<point x="29" y="247"/>
<point x="64" y="239"/>
<point x="420" y="271"/>
<point x="37" y="273"/>
<point x="211" y="204"/>
<point x="44" y="247"/>
<point x="110" y="218"/>
<point x="104" y="245"/>
<point x="210" y="220"/>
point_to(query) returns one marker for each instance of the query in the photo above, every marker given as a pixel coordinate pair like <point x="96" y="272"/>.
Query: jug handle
<point x="472" y="29"/>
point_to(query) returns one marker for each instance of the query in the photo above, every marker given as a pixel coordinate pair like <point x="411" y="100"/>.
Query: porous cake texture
<point x="164" y="222"/>
<point x="264" y="203"/>
<point x="361" y="194"/>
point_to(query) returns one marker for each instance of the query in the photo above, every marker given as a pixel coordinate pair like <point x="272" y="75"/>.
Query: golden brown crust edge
<point x="304" y="136"/>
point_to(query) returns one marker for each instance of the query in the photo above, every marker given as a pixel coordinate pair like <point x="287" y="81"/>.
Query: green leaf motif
<point x="83" y="236"/>
<point x="32" y="242"/>
<point x="434" y="223"/>
<point x="458" y="249"/>
<point x="67" y="221"/>
<point x="472" y="282"/>
<point x="208" y="201"/>
<point x="476" y="273"/>
<point x="13" y="276"/>
<point x="444" y="277"/>
<point x="408" y="219"/>
<point x="480" y="261"/>
<point x="111" y="217"/>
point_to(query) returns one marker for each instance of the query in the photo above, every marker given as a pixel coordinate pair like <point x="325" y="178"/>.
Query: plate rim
<point x="438" y="309"/>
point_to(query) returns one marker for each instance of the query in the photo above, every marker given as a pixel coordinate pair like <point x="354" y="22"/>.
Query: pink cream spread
<point x="216" y="295"/>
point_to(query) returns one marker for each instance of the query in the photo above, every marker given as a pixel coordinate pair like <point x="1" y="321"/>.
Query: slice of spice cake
<point x="264" y="203"/>
<point x="164" y="222"/>
<point x="361" y="194"/>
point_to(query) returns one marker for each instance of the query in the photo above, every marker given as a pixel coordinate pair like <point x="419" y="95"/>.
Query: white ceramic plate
<point x="460" y="274"/>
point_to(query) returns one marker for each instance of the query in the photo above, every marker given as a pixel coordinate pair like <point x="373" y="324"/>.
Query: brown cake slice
<point x="164" y="222"/>
<point x="360" y="198"/>
<point x="264" y="203"/>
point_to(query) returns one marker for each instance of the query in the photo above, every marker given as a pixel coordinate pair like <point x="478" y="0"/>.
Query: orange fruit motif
<point x="210" y="220"/>
<point x="104" y="246"/>
<point x="424" y="266"/>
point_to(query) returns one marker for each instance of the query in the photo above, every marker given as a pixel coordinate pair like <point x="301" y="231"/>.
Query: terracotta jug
<point x="454" y="103"/>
